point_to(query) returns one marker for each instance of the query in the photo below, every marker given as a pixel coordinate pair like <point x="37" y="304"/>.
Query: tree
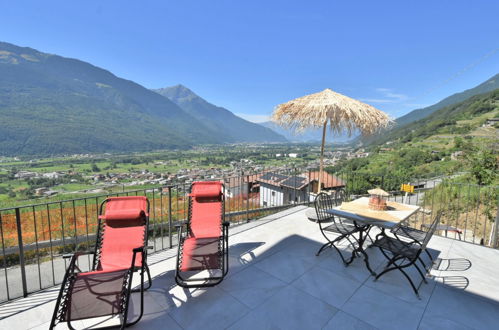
<point x="458" y="142"/>
<point x="95" y="168"/>
<point x="484" y="166"/>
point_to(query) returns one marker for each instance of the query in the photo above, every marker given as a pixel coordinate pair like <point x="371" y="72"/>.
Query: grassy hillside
<point x="487" y="86"/>
<point x="452" y="139"/>
<point x="419" y="114"/>
<point x="459" y="118"/>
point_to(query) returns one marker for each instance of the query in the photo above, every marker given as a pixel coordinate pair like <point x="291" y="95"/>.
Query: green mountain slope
<point x="487" y="86"/>
<point x="55" y="105"/>
<point x="459" y="118"/>
<point x="233" y="128"/>
<point x="416" y="115"/>
<point x="462" y="137"/>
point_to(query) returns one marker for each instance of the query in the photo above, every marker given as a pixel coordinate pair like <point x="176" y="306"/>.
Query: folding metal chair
<point x="330" y="224"/>
<point x="402" y="253"/>
<point x="119" y="252"/>
<point x="202" y="257"/>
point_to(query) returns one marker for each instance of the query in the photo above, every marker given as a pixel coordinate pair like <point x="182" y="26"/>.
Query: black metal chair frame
<point x="223" y="250"/>
<point x="63" y="299"/>
<point x="414" y="235"/>
<point x="397" y="250"/>
<point x="322" y="203"/>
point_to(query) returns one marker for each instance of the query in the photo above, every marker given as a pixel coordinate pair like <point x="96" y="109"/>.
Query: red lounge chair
<point x="120" y="251"/>
<point x="202" y="258"/>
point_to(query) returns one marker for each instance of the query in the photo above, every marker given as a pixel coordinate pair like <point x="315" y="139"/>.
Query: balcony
<point x="275" y="281"/>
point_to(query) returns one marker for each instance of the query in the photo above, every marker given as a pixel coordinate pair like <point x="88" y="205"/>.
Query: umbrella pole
<point x="321" y="167"/>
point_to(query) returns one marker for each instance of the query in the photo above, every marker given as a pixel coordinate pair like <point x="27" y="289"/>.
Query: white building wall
<point x="292" y="196"/>
<point x="270" y="195"/>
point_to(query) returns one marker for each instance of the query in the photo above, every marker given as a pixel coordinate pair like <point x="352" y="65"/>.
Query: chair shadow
<point x="456" y="264"/>
<point x="452" y="265"/>
<point x="455" y="282"/>
<point x="241" y="249"/>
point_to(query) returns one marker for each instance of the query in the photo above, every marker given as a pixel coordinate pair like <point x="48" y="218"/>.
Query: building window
<point x="273" y="193"/>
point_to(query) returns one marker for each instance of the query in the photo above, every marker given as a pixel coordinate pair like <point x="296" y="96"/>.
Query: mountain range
<point x="487" y="86"/>
<point x="232" y="127"/>
<point x="55" y="105"/>
<point x="405" y="123"/>
<point x="310" y="135"/>
<point x="461" y="118"/>
<point x="52" y="105"/>
<point x="314" y="135"/>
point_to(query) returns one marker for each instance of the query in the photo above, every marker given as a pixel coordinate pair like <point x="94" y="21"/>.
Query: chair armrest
<point x="181" y="224"/>
<point x="74" y="258"/>
<point x="76" y="254"/>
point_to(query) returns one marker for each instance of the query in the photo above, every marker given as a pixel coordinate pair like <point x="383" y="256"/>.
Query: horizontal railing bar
<point x="82" y="238"/>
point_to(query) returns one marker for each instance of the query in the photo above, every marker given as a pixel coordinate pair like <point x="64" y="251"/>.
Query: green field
<point x="14" y="191"/>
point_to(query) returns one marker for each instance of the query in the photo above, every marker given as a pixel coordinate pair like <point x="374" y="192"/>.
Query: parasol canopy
<point x="343" y="114"/>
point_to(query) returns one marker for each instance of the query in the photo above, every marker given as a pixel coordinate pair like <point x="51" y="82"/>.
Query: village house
<point x="279" y="189"/>
<point x="25" y="175"/>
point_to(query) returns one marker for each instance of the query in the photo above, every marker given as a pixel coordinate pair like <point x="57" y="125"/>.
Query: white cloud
<point x="378" y="100"/>
<point x="389" y="93"/>
<point x="253" y="118"/>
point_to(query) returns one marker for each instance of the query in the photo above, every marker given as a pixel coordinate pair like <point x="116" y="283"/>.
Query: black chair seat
<point x="403" y="250"/>
<point x="344" y="228"/>
<point x="329" y="223"/>
<point x="408" y="250"/>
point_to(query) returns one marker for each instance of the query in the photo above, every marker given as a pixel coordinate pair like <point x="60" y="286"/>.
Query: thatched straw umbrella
<point x="342" y="113"/>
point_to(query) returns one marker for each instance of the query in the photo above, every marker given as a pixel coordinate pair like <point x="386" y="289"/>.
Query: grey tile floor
<point x="275" y="281"/>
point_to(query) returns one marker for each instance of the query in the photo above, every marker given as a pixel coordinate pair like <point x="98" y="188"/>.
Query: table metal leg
<point x="363" y="234"/>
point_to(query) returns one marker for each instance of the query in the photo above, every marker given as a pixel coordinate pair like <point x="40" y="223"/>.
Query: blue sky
<point x="249" y="56"/>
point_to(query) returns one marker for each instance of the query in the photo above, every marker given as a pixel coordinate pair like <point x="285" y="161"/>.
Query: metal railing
<point x="470" y="211"/>
<point x="33" y="237"/>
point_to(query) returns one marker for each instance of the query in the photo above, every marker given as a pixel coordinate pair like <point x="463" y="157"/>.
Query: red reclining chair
<point x="202" y="258"/>
<point x="120" y="251"/>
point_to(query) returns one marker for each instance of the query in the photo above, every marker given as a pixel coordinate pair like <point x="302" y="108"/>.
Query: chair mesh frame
<point x="63" y="303"/>
<point x="401" y="253"/>
<point x="324" y="202"/>
<point x="223" y="248"/>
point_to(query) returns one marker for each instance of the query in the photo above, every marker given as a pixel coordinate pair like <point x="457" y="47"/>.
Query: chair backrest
<point x="206" y="209"/>
<point x="125" y="224"/>
<point x="339" y="196"/>
<point x="324" y="202"/>
<point x="431" y="230"/>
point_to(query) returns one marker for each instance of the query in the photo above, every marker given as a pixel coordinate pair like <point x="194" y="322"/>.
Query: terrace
<point x="276" y="281"/>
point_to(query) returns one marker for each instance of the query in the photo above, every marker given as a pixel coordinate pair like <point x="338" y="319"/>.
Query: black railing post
<point x="247" y="197"/>
<point x="170" y="215"/>
<point x="21" y="252"/>
<point x="495" y="232"/>
<point x="310" y="187"/>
